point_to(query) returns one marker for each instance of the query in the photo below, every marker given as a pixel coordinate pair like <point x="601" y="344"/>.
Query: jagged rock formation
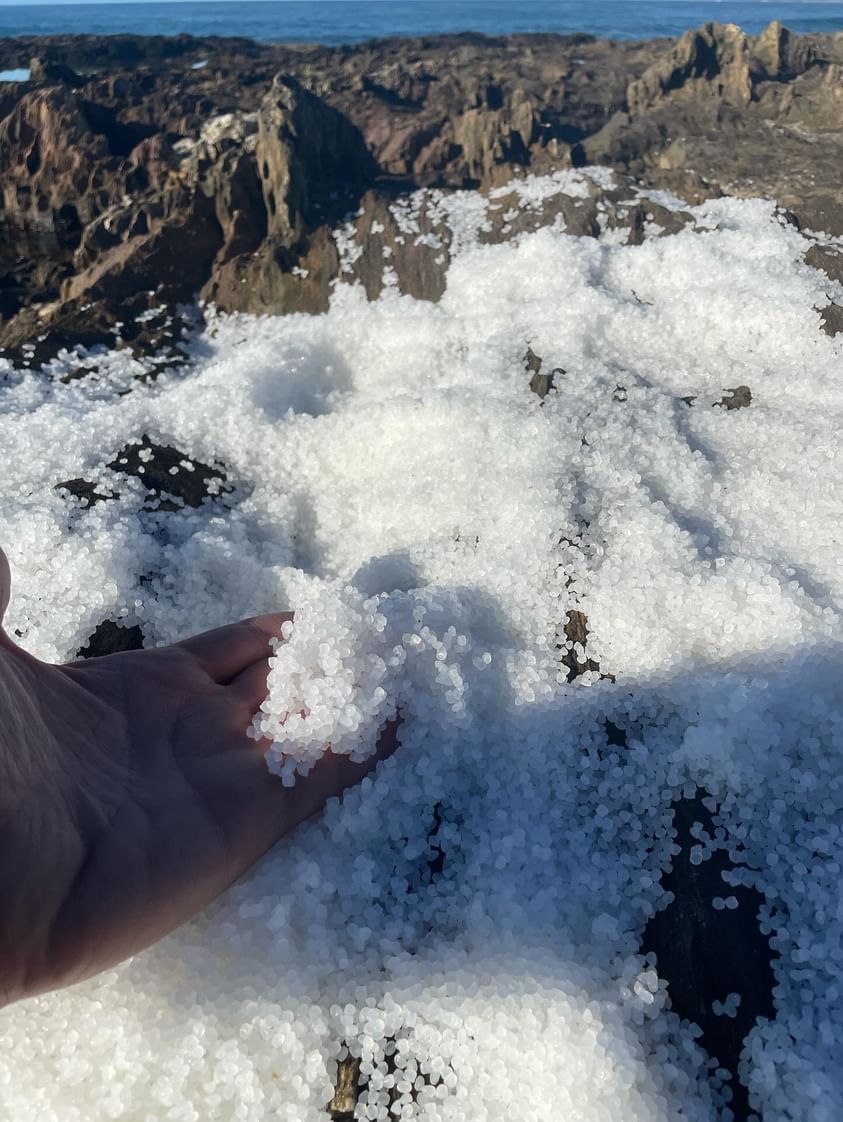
<point x="710" y="63"/>
<point x="228" y="216"/>
<point x="778" y="55"/>
<point x="131" y="181"/>
<point x="725" y="113"/>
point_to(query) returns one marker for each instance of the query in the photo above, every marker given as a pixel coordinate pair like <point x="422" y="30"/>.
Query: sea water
<point x="349" y="21"/>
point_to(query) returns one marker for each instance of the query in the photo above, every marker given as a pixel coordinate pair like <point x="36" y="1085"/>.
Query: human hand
<point x="131" y="796"/>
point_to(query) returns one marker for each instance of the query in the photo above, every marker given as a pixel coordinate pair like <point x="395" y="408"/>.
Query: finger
<point x="227" y="651"/>
<point x="250" y="687"/>
<point x="333" y="774"/>
<point x="256" y="809"/>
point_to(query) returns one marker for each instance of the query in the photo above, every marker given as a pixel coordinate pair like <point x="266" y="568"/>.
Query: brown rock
<point x="832" y="319"/>
<point x="822" y="213"/>
<point x="738" y="398"/>
<point x="540" y="384"/>
<point x="710" y="63"/>
<point x="777" y="54"/>
<point x="52" y="163"/>
<point x="154" y="178"/>
<point x="347" y="1092"/>
<point x="311" y="160"/>
<point x="575" y="631"/>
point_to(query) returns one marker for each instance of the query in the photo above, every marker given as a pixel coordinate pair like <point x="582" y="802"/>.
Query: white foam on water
<point x="467" y="922"/>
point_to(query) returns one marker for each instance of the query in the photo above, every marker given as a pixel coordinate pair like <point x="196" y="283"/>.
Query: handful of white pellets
<point x="348" y="663"/>
<point x="331" y="682"/>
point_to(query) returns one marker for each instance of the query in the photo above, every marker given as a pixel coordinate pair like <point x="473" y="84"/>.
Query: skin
<point x="131" y="796"/>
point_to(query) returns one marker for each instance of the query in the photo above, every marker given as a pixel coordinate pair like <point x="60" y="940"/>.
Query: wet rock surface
<point x="131" y="180"/>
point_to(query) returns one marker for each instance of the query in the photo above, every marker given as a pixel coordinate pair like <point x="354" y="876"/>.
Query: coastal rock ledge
<point x="139" y="174"/>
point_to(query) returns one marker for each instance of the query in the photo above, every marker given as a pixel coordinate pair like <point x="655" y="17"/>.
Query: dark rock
<point x="90" y="53"/>
<point x="88" y="493"/>
<point x="507" y="219"/>
<point x="723" y="113"/>
<point x="420" y="262"/>
<point x="832" y="319"/>
<point x="738" y="398"/>
<point x="576" y="631"/>
<point x="47" y="73"/>
<point x="56" y="173"/>
<point x="828" y="260"/>
<point x="172" y="262"/>
<point x="173" y="479"/>
<point x="540" y="384"/>
<point x="38" y="334"/>
<point x="706" y="954"/>
<point x="312" y="167"/>
<point x="615" y="735"/>
<point x="313" y="162"/>
<point x="110" y="638"/>
<point x="532" y="362"/>
<point x="822" y="213"/>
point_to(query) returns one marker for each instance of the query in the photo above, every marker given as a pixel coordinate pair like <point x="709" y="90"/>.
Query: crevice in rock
<point x="615" y="735"/>
<point x="347" y="1090"/>
<point x="436" y="861"/>
<point x="122" y="136"/>
<point x="706" y="953"/>
<point x="575" y="634"/>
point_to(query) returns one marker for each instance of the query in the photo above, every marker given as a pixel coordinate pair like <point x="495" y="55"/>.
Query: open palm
<point x="131" y="796"/>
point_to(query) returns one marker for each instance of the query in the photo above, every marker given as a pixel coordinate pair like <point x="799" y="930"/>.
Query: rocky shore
<point x="140" y="173"/>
